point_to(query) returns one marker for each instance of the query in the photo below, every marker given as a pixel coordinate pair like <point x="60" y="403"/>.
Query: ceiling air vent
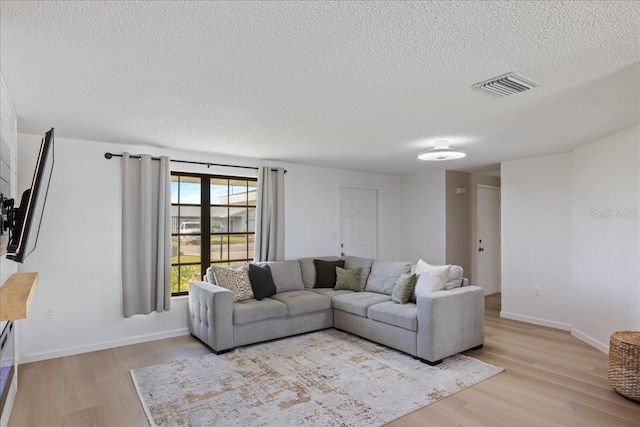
<point x="506" y="84"/>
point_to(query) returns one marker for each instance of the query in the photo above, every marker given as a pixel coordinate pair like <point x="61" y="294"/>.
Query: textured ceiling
<point x="354" y="85"/>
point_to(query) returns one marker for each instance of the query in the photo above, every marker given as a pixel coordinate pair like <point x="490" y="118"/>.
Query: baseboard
<point x="536" y="321"/>
<point x="589" y="340"/>
<point x="36" y="357"/>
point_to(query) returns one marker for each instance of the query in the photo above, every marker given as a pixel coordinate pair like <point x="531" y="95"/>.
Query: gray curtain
<point x="269" y="240"/>
<point x="146" y="235"/>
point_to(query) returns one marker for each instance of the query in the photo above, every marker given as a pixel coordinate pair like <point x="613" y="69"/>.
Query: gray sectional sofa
<point x="435" y="326"/>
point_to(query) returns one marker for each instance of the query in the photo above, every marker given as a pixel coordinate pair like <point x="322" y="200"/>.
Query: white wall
<point x="606" y="283"/>
<point x="586" y="267"/>
<point x="458" y="220"/>
<point x="78" y="253"/>
<point x="8" y="186"/>
<point x="536" y="240"/>
<point x="312" y="212"/>
<point x="423" y="217"/>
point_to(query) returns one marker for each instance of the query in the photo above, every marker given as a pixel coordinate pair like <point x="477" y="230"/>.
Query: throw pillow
<point x="455" y="277"/>
<point x="431" y="278"/>
<point x="326" y="273"/>
<point x="347" y="280"/>
<point x="405" y="286"/>
<point x="209" y="275"/>
<point x="236" y="280"/>
<point x="384" y="275"/>
<point x="261" y="281"/>
<point x="364" y="264"/>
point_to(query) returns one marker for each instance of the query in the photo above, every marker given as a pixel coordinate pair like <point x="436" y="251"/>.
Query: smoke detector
<point x="507" y="84"/>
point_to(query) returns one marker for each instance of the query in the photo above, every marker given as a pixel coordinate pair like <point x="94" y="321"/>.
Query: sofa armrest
<point x="450" y="322"/>
<point x="211" y="315"/>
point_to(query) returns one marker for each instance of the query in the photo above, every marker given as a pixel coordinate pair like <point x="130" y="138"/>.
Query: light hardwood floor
<point x="551" y="379"/>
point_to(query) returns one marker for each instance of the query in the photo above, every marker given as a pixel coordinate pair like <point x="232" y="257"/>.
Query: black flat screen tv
<point x="27" y="218"/>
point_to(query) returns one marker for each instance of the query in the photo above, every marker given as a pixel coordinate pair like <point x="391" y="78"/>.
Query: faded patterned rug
<point x="325" y="378"/>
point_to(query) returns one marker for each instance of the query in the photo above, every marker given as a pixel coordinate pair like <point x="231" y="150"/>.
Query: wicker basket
<point x="624" y="363"/>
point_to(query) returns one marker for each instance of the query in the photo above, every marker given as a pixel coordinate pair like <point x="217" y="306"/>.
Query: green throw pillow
<point x="348" y="280"/>
<point x="404" y="288"/>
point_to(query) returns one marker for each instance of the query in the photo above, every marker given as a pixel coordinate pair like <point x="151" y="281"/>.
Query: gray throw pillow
<point x="347" y="280"/>
<point x="384" y="275"/>
<point x="364" y="264"/>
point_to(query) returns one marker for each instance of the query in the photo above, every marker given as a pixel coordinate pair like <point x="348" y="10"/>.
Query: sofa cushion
<point x="358" y="302"/>
<point x="261" y="281"/>
<point x="404" y="288"/>
<point x="401" y="315"/>
<point x="347" y="279"/>
<point x="236" y="280"/>
<point x="251" y="310"/>
<point x="301" y="302"/>
<point x="308" y="269"/>
<point x="286" y="275"/>
<point x="326" y="273"/>
<point x="328" y="292"/>
<point x="384" y="275"/>
<point x="364" y="264"/>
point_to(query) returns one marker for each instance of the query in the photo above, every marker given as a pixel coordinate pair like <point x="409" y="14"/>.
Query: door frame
<point x="476" y="237"/>
<point x="378" y="191"/>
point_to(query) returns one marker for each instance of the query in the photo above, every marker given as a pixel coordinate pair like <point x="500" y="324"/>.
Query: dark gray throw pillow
<point x="326" y="272"/>
<point x="261" y="281"/>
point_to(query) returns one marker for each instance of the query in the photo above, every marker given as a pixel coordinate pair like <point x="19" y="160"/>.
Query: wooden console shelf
<point x="16" y="295"/>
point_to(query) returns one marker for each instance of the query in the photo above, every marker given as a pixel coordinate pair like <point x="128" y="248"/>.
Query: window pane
<point x="219" y="191"/>
<point x="238" y="247"/>
<point x="189" y="190"/>
<point x="189" y="249"/>
<point x="219" y="219"/>
<point x="251" y="222"/>
<point x="174" y="188"/>
<point x="238" y="192"/>
<point x="175" y="279"/>
<point x="189" y="220"/>
<point x="175" y="218"/>
<point x="237" y="220"/>
<point x="182" y="275"/>
<point x="175" y="248"/>
<point x="251" y="243"/>
<point x="253" y="191"/>
<point x="219" y="248"/>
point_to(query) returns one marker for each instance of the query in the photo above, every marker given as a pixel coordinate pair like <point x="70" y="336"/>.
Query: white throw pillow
<point x="431" y="278"/>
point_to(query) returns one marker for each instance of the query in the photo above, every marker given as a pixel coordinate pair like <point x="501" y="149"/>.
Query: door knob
<point x="480" y="249"/>
<point x="341" y="253"/>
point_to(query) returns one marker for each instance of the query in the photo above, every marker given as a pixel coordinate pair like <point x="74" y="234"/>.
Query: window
<point x="213" y="223"/>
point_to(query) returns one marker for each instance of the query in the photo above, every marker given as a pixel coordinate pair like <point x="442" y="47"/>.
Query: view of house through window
<point x="212" y="223"/>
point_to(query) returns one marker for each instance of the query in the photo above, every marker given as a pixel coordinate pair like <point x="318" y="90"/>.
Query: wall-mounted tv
<point x="24" y="221"/>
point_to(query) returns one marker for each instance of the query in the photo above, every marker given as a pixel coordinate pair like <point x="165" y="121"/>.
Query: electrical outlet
<point x="537" y="292"/>
<point x="48" y="313"/>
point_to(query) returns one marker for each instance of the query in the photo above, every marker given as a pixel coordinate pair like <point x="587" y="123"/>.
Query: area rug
<point x="325" y="378"/>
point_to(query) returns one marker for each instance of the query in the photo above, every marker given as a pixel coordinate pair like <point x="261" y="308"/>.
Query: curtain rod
<point x="108" y="156"/>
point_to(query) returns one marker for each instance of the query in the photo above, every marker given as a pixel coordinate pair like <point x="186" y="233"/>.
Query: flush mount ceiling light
<point x="441" y="151"/>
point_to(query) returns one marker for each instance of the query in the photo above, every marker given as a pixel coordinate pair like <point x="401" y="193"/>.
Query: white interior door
<point x="359" y="222"/>
<point x="488" y="239"/>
